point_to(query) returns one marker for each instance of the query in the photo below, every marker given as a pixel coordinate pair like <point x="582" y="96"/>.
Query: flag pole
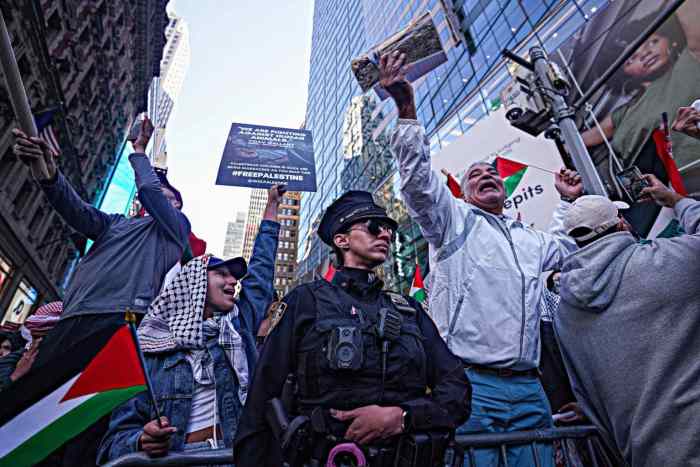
<point x="13" y="79"/>
<point x="131" y="319"/>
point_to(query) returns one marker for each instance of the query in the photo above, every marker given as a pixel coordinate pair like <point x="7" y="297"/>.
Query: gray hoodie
<point x="629" y="331"/>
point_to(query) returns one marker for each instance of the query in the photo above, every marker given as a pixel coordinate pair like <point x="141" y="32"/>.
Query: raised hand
<point x="568" y="183"/>
<point x="392" y="77"/>
<point x="144" y="136"/>
<point x="687" y="121"/>
<point x="36" y="154"/>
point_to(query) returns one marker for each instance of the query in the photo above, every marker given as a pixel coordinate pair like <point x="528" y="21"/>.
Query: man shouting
<point x="485" y="271"/>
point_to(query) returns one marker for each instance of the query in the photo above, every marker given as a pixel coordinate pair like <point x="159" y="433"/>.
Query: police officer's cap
<point x="351" y="207"/>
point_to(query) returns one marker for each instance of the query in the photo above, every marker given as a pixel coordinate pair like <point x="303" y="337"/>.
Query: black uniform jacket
<point x="444" y="405"/>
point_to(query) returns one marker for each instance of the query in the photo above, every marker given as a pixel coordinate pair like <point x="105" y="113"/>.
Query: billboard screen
<point x="661" y="76"/>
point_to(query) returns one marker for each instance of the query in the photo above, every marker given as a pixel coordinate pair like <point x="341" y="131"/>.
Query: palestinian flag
<point x="417" y="288"/>
<point x="56" y="402"/>
<point x="453" y="185"/>
<point x="511" y="172"/>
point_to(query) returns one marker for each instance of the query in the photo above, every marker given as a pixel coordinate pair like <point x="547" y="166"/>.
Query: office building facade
<point x="235" y="234"/>
<point x="450" y="99"/>
<point x="89" y="63"/>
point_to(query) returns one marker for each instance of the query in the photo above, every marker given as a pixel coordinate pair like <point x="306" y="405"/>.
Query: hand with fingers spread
<point x="36" y="154"/>
<point x="568" y="183"/>
<point x="144" y="136"/>
<point x="659" y="193"/>
<point x="392" y="77"/>
<point x="26" y="361"/>
<point x="687" y="120"/>
<point x="155" y="439"/>
<point x="371" y="422"/>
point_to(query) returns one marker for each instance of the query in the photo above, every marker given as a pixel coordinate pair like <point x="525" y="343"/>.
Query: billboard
<point x="661" y="76"/>
<point x="533" y="196"/>
<point x="258" y="156"/>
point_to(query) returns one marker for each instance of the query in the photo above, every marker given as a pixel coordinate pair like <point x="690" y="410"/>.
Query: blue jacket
<point x="130" y="257"/>
<point x="171" y="373"/>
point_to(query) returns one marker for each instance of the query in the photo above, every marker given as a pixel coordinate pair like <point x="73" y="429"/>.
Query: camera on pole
<point x="535" y="102"/>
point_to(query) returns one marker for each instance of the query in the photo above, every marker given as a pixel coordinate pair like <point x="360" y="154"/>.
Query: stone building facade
<point x="91" y="61"/>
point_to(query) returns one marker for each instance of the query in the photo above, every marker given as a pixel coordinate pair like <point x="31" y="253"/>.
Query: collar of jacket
<point x="358" y="281"/>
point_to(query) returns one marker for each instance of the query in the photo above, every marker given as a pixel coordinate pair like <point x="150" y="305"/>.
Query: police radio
<point x="345" y="351"/>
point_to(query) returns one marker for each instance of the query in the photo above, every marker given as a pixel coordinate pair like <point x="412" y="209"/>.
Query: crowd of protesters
<point x="607" y="338"/>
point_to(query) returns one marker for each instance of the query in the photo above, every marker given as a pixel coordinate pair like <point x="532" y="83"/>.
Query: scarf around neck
<point x="175" y="322"/>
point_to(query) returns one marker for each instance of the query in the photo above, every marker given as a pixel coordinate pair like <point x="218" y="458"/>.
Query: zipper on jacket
<point x="522" y="288"/>
<point x="453" y="322"/>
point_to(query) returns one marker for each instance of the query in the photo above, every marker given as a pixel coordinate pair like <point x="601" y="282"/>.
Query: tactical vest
<point x="320" y="380"/>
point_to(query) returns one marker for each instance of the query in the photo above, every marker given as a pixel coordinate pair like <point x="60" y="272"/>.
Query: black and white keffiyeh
<point x="175" y="322"/>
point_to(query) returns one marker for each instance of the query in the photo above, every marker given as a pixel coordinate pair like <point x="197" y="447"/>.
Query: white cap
<point x="593" y="212"/>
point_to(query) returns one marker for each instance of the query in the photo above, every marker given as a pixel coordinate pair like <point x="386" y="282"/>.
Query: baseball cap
<point x="237" y="266"/>
<point x="594" y="213"/>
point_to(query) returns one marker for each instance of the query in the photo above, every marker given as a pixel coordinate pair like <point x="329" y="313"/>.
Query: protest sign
<point x="258" y="156"/>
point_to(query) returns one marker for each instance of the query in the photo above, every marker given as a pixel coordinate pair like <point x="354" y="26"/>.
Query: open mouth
<point x="230" y="292"/>
<point x="488" y="185"/>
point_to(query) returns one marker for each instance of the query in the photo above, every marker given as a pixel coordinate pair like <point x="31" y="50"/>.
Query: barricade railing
<point x="595" y="452"/>
<point x="588" y="435"/>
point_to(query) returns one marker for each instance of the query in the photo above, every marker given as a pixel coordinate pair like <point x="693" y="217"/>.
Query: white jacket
<point x="485" y="269"/>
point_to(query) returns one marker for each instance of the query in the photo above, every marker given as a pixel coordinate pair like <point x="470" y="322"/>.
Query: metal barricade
<point x="139" y="459"/>
<point x="470" y="443"/>
<point x="595" y="450"/>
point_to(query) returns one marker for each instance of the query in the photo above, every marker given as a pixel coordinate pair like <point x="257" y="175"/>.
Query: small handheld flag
<point x="417" y="288"/>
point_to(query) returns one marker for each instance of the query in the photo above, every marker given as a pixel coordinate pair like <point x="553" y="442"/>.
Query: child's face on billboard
<point x="651" y="59"/>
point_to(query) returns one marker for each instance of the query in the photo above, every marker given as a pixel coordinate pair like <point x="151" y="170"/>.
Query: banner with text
<point x="258" y="156"/>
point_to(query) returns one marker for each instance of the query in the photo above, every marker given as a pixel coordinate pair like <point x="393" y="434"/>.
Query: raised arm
<point x="429" y="201"/>
<point x="257" y="287"/>
<point x="80" y="215"/>
<point x="557" y="244"/>
<point x="151" y="193"/>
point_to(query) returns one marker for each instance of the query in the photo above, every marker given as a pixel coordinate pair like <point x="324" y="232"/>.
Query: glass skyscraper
<point x="450" y="99"/>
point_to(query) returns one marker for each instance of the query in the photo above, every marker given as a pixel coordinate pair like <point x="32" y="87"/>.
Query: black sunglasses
<point x="376" y="226"/>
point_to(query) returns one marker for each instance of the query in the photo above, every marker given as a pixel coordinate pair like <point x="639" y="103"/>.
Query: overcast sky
<point x="250" y="62"/>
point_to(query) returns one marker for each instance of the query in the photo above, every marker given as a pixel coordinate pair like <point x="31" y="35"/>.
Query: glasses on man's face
<point x="376" y="226"/>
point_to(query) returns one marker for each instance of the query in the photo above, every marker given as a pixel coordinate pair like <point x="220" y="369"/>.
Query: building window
<point x="21" y="304"/>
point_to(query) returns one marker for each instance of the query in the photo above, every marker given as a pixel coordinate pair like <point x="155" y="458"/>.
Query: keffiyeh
<point x="175" y="322"/>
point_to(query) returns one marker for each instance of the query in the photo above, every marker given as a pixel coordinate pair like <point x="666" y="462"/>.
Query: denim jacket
<point x="171" y="373"/>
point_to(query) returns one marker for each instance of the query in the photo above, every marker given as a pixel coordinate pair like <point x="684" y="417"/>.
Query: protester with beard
<point x="628" y="328"/>
<point x="351" y="395"/>
<point x="199" y="344"/>
<point x="486" y="269"/>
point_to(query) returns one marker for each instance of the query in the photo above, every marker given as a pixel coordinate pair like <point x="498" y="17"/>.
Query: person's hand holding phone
<point x="658" y="192"/>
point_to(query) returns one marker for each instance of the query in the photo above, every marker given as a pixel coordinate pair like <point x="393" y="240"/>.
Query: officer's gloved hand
<point x="371" y="422"/>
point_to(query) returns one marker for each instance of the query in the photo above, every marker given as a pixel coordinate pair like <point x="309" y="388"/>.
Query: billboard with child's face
<point x="661" y="76"/>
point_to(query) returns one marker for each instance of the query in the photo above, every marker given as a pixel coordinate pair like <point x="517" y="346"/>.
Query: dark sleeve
<point x="449" y="403"/>
<point x="8" y="364"/>
<point x="125" y="428"/>
<point x="80" y="215"/>
<point x="157" y="205"/>
<point x="255" y="445"/>
<point x="257" y="289"/>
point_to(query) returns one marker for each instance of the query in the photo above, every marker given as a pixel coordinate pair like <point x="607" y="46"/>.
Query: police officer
<point x="371" y="360"/>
